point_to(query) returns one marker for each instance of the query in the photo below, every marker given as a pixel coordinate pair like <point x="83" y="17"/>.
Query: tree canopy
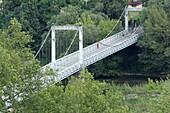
<point x="18" y="68"/>
<point x="154" y="45"/>
<point x="81" y="95"/>
<point x="23" y="27"/>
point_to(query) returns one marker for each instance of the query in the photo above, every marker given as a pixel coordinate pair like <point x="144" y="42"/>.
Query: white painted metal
<point x="53" y="47"/>
<point x="66" y="27"/>
<point x="126" y="19"/>
<point x="81" y="46"/>
<point x="134" y="9"/>
<point x="70" y="64"/>
<point x="127" y="15"/>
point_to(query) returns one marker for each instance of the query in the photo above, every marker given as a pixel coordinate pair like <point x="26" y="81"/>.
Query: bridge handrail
<point x="86" y="49"/>
<point x="89" y="60"/>
<point x="107" y="49"/>
<point x="107" y="39"/>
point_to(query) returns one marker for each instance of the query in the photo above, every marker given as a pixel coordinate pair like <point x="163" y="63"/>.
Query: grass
<point x="139" y="99"/>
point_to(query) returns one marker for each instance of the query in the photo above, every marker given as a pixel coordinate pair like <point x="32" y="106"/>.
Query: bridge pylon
<point x="131" y="11"/>
<point x="68" y="27"/>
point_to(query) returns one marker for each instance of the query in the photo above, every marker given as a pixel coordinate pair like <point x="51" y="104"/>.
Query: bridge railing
<point x="98" y="56"/>
<point x="110" y="50"/>
<point x="105" y="41"/>
<point x="130" y="39"/>
<point x="60" y="62"/>
<point x="72" y="58"/>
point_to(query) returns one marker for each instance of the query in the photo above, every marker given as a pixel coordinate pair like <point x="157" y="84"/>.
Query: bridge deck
<point x="69" y="64"/>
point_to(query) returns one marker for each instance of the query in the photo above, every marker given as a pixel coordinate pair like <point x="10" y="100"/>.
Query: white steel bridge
<point x="74" y="62"/>
<point x="70" y="64"/>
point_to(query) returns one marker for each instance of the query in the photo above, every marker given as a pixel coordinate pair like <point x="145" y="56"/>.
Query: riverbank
<point x="131" y="79"/>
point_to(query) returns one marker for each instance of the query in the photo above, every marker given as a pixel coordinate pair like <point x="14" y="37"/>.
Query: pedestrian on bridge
<point x="97" y="44"/>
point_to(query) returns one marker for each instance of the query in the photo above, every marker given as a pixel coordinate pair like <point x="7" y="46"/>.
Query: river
<point x="130" y="80"/>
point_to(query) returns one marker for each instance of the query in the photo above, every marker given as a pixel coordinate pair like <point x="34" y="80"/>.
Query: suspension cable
<point x="116" y="23"/>
<point x="42" y="44"/>
<point x="113" y="27"/>
<point x="76" y="35"/>
<point x="135" y="30"/>
<point x="71" y="44"/>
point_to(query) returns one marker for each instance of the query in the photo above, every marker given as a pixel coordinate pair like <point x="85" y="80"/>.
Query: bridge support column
<point x="126" y="19"/>
<point x="81" y="47"/>
<point x="53" y="47"/>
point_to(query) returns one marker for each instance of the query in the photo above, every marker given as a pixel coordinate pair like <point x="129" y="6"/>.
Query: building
<point x="135" y="3"/>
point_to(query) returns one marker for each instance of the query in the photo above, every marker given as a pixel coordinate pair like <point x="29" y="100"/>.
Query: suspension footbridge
<point x="74" y="62"/>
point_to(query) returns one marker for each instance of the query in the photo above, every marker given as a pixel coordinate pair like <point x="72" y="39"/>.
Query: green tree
<point x="94" y="27"/>
<point x="48" y="8"/>
<point x="68" y="15"/>
<point x="32" y="14"/>
<point x="90" y="30"/>
<point x="81" y="95"/>
<point x="107" y="67"/>
<point x="98" y="8"/>
<point x="45" y="101"/>
<point x="114" y="8"/>
<point x="26" y="12"/>
<point x="106" y="27"/>
<point x="19" y="72"/>
<point x="161" y="103"/>
<point x="155" y="52"/>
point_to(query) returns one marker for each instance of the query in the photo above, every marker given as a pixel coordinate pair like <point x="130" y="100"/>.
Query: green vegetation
<point x="84" y="94"/>
<point x="152" y="97"/>
<point x="154" y="45"/>
<point x="18" y="68"/>
<point x="24" y="25"/>
<point x="81" y="95"/>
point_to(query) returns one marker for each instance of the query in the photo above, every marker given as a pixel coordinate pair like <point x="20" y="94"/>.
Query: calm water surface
<point x="131" y="80"/>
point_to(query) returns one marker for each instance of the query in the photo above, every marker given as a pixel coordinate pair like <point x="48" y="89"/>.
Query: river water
<point x="130" y="80"/>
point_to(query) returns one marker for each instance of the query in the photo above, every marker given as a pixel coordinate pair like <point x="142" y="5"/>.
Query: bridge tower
<point x="132" y="11"/>
<point x="53" y="40"/>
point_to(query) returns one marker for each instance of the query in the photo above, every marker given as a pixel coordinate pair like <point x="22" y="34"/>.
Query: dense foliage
<point x="150" y="98"/>
<point x="37" y="16"/>
<point x="155" y="44"/>
<point x="81" y="95"/>
<point x="21" y="21"/>
<point x="97" y="18"/>
<point x="18" y="68"/>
